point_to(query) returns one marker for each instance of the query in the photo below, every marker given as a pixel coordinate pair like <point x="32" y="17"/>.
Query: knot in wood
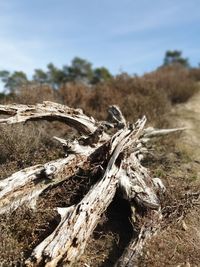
<point x="50" y="170"/>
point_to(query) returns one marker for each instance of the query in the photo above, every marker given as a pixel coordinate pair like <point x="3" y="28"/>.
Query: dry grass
<point x="195" y="74"/>
<point x="22" y="146"/>
<point x="178" y="241"/>
<point x="176" y="245"/>
<point x="135" y="96"/>
<point x="32" y="94"/>
<point x="20" y="232"/>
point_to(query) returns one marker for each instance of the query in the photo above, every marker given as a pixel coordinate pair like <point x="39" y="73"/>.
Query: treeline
<point x="175" y="78"/>
<point x="79" y="71"/>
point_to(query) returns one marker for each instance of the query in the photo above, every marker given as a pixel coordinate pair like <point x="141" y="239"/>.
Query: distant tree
<point x="4" y="76"/>
<point x="56" y="77"/>
<point x="100" y="75"/>
<point x="12" y="81"/>
<point x="40" y="76"/>
<point x="175" y="57"/>
<point x="2" y="95"/>
<point x="80" y="70"/>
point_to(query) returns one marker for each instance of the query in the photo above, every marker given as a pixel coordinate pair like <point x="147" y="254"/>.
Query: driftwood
<point x="123" y="145"/>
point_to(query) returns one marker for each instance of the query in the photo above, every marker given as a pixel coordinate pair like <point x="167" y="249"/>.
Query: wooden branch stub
<point x="152" y="132"/>
<point x="116" y="116"/>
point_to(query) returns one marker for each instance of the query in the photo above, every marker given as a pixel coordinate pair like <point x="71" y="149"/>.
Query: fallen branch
<point x="48" y="111"/>
<point x="66" y="244"/>
<point x="119" y="156"/>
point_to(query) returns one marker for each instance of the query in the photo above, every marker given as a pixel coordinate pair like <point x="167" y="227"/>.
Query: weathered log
<point x="66" y="244"/>
<point x="124" y="152"/>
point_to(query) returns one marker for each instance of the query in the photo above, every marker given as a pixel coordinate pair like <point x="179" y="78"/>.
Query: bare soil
<point x="188" y="115"/>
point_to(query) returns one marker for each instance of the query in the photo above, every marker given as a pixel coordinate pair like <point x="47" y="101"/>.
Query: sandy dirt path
<point x="188" y="115"/>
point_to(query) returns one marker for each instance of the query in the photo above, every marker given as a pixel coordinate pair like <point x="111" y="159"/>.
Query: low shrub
<point x="195" y="74"/>
<point x="32" y="94"/>
<point x="175" y="81"/>
<point x="136" y="96"/>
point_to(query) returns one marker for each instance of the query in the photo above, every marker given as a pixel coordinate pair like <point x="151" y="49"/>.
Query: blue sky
<point x="123" y="35"/>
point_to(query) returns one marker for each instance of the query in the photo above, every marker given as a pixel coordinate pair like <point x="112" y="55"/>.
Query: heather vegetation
<point x="93" y="90"/>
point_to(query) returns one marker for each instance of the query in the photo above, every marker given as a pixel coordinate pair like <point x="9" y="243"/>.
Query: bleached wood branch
<point x="74" y="147"/>
<point x="137" y="184"/>
<point x="152" y="132"/>
<point x="48" y="111"/>
<point x="25" y="186"/>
